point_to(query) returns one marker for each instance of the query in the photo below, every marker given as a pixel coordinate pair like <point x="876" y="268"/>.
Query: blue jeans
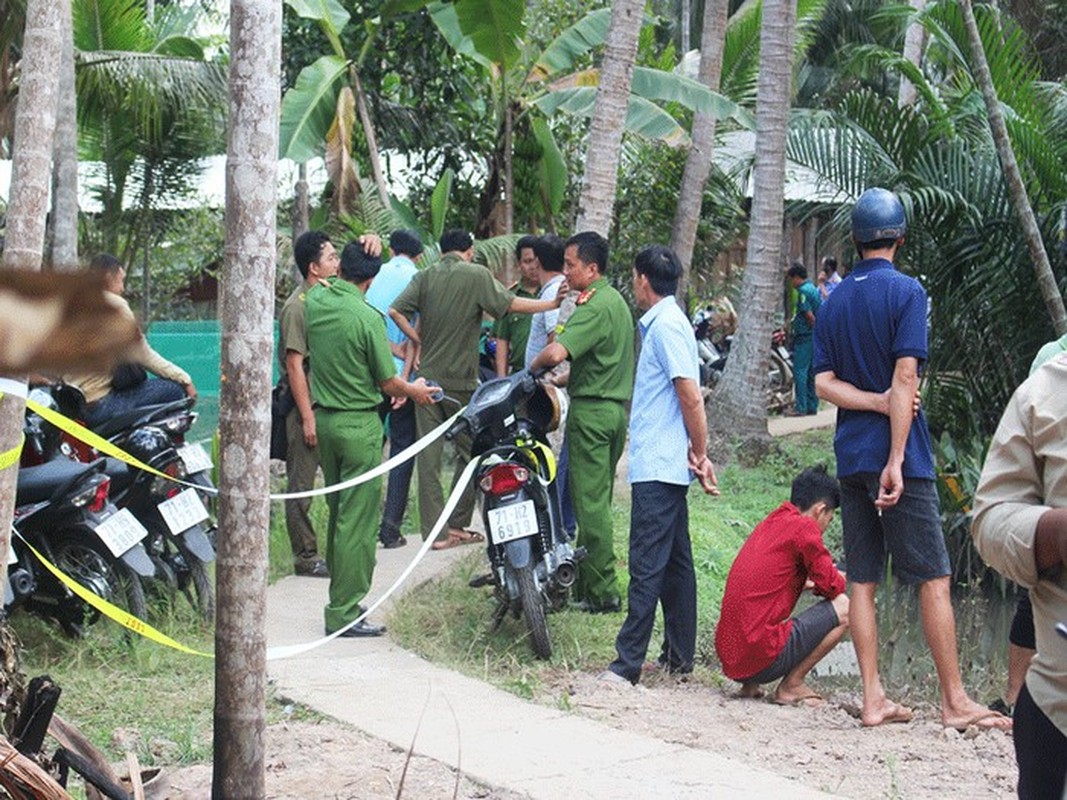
<point x="566" y="507"/>
<point x="401" y="436"/>
<point x="661" y="571"/>
<point x="154" y="391"/>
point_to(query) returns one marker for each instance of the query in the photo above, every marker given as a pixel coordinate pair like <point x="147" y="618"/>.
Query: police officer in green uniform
<point x="513" y="329"/>
<point x="353" y="365"/>
<point x="450" y="298"/>
<point x="599" y="341"/>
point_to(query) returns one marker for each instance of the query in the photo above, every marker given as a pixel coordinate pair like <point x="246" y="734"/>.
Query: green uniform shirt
<point x="451" y="297"/>
<point x="293" y="330"/>
<point x="352" y="353"/>
<point x="515" y="329"/>
<point x="599" y="338"/>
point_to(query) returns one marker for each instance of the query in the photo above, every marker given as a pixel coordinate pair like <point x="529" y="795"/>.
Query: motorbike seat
<point x="140" y="416"/>
<point x="120" y="474"/>
<point x="36" y="484"/>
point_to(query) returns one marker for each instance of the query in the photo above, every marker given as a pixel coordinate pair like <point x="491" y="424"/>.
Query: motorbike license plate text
<point x="511" y="522"/>
<point x="121" y="531"/>
<point x="195" y="458"/>
<point x="183" y="511"/>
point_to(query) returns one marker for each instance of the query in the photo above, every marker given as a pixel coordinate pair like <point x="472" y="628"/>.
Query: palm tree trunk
<point x="739" y="400"/>
<point x="913" y="52"/>
<point x="301" y="207"/>
<point x="698" y="162"/>
<point x="31" y="171"/>
<point x="1046" y="280"/>
<point x="597" y="201"/>
<point x="64" y="219"/>
<point x="247" y="311"/>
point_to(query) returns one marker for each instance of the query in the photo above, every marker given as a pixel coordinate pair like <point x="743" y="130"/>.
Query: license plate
<point x="195" y="458"/>
<point x="183" y="511"/>
<point x="121" y="531"/>
<point x="514" y="521"/>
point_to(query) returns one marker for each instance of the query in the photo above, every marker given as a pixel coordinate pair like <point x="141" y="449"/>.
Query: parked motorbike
<point x="64" y="512"/>
<point x="533" y="563"/>
<point x="180" y="530"/>
<point x="714" y="352"/>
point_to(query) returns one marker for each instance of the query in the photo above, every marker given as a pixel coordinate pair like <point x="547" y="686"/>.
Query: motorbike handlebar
<point x="461" y="426"/>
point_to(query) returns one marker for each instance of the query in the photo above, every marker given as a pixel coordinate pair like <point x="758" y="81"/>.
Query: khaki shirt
<point x="293" y="330"/>
<point x="95" y="385"/>
<point x="599" y="338"/>
<point x="1025" y="474"/>
<point x="451" y="297"/>
<point x="352" y="355"/>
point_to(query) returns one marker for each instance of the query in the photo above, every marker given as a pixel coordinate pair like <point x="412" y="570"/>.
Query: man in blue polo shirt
<point x="870" y="343"/>
<point x="396" y="273"/>
<point x="668" y="447"/>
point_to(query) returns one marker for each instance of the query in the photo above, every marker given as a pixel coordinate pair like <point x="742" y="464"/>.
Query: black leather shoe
<point x="360" y="630"/>
<point x="399" y="541"/>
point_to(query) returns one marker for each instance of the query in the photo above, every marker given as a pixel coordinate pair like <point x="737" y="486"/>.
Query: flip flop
<point x="457" y="539"/>
<point x="992" y="719"/>
<point x="812" y="700"/>
<point x="898" y="714"/>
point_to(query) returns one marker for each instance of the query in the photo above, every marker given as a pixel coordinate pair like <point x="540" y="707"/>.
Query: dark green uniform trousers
<point x="350" y="443"/>
<point x="431" y="461"/>
<point x="596" y="436"/>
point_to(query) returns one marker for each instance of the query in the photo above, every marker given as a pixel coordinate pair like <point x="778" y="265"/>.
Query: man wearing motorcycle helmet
<point x="870" y="344"/>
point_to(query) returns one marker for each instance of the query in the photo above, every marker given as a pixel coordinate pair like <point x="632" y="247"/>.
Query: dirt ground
<point x="824" y="748"/>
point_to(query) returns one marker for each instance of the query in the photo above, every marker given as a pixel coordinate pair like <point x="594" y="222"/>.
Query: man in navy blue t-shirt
<point x="870" y="344"/>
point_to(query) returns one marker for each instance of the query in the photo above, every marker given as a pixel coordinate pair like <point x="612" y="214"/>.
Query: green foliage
<point x="309" y="108"/>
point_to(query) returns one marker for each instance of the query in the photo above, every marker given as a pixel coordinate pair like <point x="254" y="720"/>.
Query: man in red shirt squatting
<point x="756" y="639"/>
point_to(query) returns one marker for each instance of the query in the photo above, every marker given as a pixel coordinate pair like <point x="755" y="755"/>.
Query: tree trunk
<point x="1046" y="280"/>
<point x="509" y="163"/>
<point x="698" y="162"/>
<point x="685" y="15"/>
<point x="913" y="52"/>
<point x="301" y="211"/>
<point x="739" y="401"/>
<point x="597" y="201"/>
<point x="64" y="219"/>
<point x="372" y="140"/>
<point x="31" y="172"/>
<point x="247" y="316"/>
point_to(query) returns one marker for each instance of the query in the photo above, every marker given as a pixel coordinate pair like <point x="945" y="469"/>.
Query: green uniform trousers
<point x="350" y="443"/>
<point x="301" y="464"/>
<point x="430" y="463"/>
<point x="596" y="436"/>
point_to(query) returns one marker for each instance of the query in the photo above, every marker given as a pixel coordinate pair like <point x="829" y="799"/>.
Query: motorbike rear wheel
<point x="533" y="607"/>
<point x="199" y="591"/>
<point x="92" y="565"/>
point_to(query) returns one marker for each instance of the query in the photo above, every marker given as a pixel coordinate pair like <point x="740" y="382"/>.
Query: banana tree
<point x="322" y="108"/>
<point x="529" y="88"/>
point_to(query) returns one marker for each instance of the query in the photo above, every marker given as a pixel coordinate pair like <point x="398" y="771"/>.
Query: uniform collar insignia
<point x="583" y="298"/>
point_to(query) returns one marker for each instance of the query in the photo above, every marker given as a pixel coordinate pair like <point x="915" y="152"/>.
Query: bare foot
<point x="885" y="713"/>
<point x="976" y="715"/>
<point x="750" y="691"/>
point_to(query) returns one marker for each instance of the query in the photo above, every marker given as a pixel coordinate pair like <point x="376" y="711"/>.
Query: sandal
<point x="457" y="537"/>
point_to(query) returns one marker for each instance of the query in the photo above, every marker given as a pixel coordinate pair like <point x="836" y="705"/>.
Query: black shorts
<point x="1022" y="624"/>
<point x="810" y="627"/>
<point x="910" y="532"/>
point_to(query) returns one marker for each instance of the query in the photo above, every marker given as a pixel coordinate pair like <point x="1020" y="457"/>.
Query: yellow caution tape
<point x="121" y="616"/>
<point x="10" y="457"/>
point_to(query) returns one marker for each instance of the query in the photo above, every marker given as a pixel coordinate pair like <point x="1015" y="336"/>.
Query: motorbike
<point x="180" y="530"/>
<point x="713" y="355"/>
<point x="532" y="562"/>
<point x="63" y="510"/>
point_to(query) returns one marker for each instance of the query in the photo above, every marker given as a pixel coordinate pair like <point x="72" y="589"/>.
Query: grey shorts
<point x="809" y="628"/>
<point x="910" y="532"/>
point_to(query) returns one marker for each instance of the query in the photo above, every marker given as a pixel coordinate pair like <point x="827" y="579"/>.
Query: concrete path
<point x="492" y="736"/>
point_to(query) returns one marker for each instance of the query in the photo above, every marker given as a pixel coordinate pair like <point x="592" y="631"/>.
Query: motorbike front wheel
<point x="533" y="607"/>
<point x="92" y="565"/>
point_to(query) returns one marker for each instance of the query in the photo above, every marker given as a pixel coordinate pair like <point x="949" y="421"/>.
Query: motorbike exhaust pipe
<point x="566" y="573"/>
